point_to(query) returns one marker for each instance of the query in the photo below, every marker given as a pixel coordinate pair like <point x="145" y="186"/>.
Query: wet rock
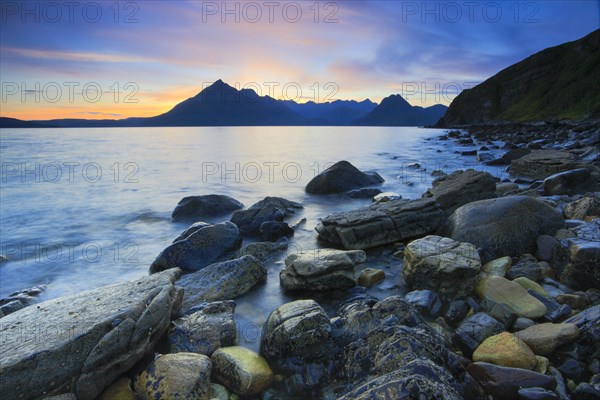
<point x="241" y="370"/>
<point x="419" y="377"/>
<point x="104" y="333"/>
<point x="504" y="383"/>
<point x="381" y="223"/>
<point x="364" y="193"/>
<point x="540" y="164"/>
<point x="508" y="226"/>
<point x="583" y="270"/>
<point x="202" y="248"/>
<point x="506" y="350"/>
<point x="426" y="301"/>
<point x="341" y="177"/>
<point x="509" y="156"/>
<point x="498" y="292"/>
<point x="386" y="196"/>
<point x="537" y="393"/>
<point x="474" y="330"/>
<point x="121" y="389"/>
<point x="577" y="181"/>
<point x="320" y="269"/>
<point x="462" y="187"/>
<point x="222" y="281"/>
<point x="441" y="264"/>
<point x="264" y="251"/>
<point x="196" y="226"/>
<point x="544" y="338"/>
<point x="175" y="376"/>
<point x="555" y="311"/>
<point x="20" y="299"/>
<point x="297" y="329"/>
<point x="272" y="231"/>
<point x="198" y="207"/>
<point x="582" y="208"/>
<point x="268" y="209"/>
<point x="206" y="329"/>
<point x="370" y="276"/>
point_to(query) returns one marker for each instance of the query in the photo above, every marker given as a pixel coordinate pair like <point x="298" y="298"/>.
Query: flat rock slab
<point x="382" y="223"/>
<point x="82" y="343"/>
<point x="540" y="164"/>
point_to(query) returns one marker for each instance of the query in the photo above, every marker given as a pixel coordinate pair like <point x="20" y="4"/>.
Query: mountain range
<point x="222" y="105"/>
<point x="561" y="82"/>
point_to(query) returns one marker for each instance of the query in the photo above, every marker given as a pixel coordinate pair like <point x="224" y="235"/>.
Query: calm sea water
<point x="83" y="208"/>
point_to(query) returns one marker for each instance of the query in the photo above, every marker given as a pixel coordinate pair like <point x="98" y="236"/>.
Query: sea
<point x="84" y="208"/>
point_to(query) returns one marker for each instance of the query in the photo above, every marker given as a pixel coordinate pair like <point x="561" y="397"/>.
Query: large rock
<point x="198" y="207"/>
<point x="498" y="293"/>
<point x="241" y="370"/>
<point x="321" y="269"/>
<point x="264" y="251"/>
<point x="441" y="264"/>
<point x="583" y="270"/>
<point x="175" y="376"/>
<point x="382" y="223"/>
<point x="543" y="339"/>
<point x="82" y="343"/>
<point x="341" y="177"/>
<point x="582" y="208"/>
<point x="572" y="182"/>
<point x="209" y="327"/>
<point x="540" y="164"/>
<point x="508" y="226"/>
<point x="268" y="209"/>
<point x="474" y="330"/>
<point x="297" y="329"/>
<point x="506" y="350"/>
<point x="222" y="281"/>
<point x="203" y="247"/>
<point x="503" y="383"/>
<point x="509" y="156"/>
<point x="462" y="187"/>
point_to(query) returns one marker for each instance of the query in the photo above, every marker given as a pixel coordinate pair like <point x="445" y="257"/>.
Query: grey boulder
<point x="198" y="207"/>
<point x="268" y="209"/>
<point x="341" y="177"/>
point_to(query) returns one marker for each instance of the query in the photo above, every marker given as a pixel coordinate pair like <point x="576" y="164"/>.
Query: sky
<point x="117" y="59"/>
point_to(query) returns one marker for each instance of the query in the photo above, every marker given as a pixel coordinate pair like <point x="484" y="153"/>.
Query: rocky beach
<point x="501" y="278"/>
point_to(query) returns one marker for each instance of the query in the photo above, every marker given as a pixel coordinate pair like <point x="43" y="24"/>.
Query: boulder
<point x="577" y="181"/>
<point x="544" y="338"/>
<point x="381" y="223"/>
<point x="498" y="292"/>
<point x="320" y="269"/>
<point x="507" y="226"/>
<point x="222" y="281"/>
<point x="209" y="327"/>
<point x="341" y="177"/>
<point x="241" y="370"/>
<point x="540" y="164"/>
<point x="441" y="264"/>
<point x="370" y="276"/>
<point x="196" y="226"/>
<point x="297" y="329"/>
<point x="88" y="339"/>
<point x="210" y="205"/>
<point x="268" y="209"/>
<point x="582" y="208"/>
<point x="264" y="251"/>
<point x="272" y="231"/>
<point x="175" y="376"/>
<point x="474" y="330"/>
<point x="462" y="187"/>
<point x="506" y="350"/>
<point x="583" y="270"/>
<point x="509" y="156"/>
<point x="202" y="248"/>
<point x="503" y="383"/>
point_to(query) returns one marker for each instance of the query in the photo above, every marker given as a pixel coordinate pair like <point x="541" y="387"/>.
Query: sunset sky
<point x="146" y="56"/>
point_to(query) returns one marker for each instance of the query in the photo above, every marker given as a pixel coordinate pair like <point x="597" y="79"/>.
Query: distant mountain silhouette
<point x="558" y="82"/>
<point x="395" y="111"/>
<point x="223" y="105"/>
<point x="6" y="122"/>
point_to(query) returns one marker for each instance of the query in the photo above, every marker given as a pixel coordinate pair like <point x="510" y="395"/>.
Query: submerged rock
<point x="321" y="269"/>
<point x="507" y="226"/>
<point x="441" y="264"/>
<point x="381" y="223"/>
<point x="268" y="209"/>
<point x="89" y="339"/>
<point x="222" y="281"/>
<point x="202" y="248"/>
<point x="198" y="207"/>
<point x="341" y="177"/>
<point x="462" y="187"/>
<point x="241" y="370"/>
